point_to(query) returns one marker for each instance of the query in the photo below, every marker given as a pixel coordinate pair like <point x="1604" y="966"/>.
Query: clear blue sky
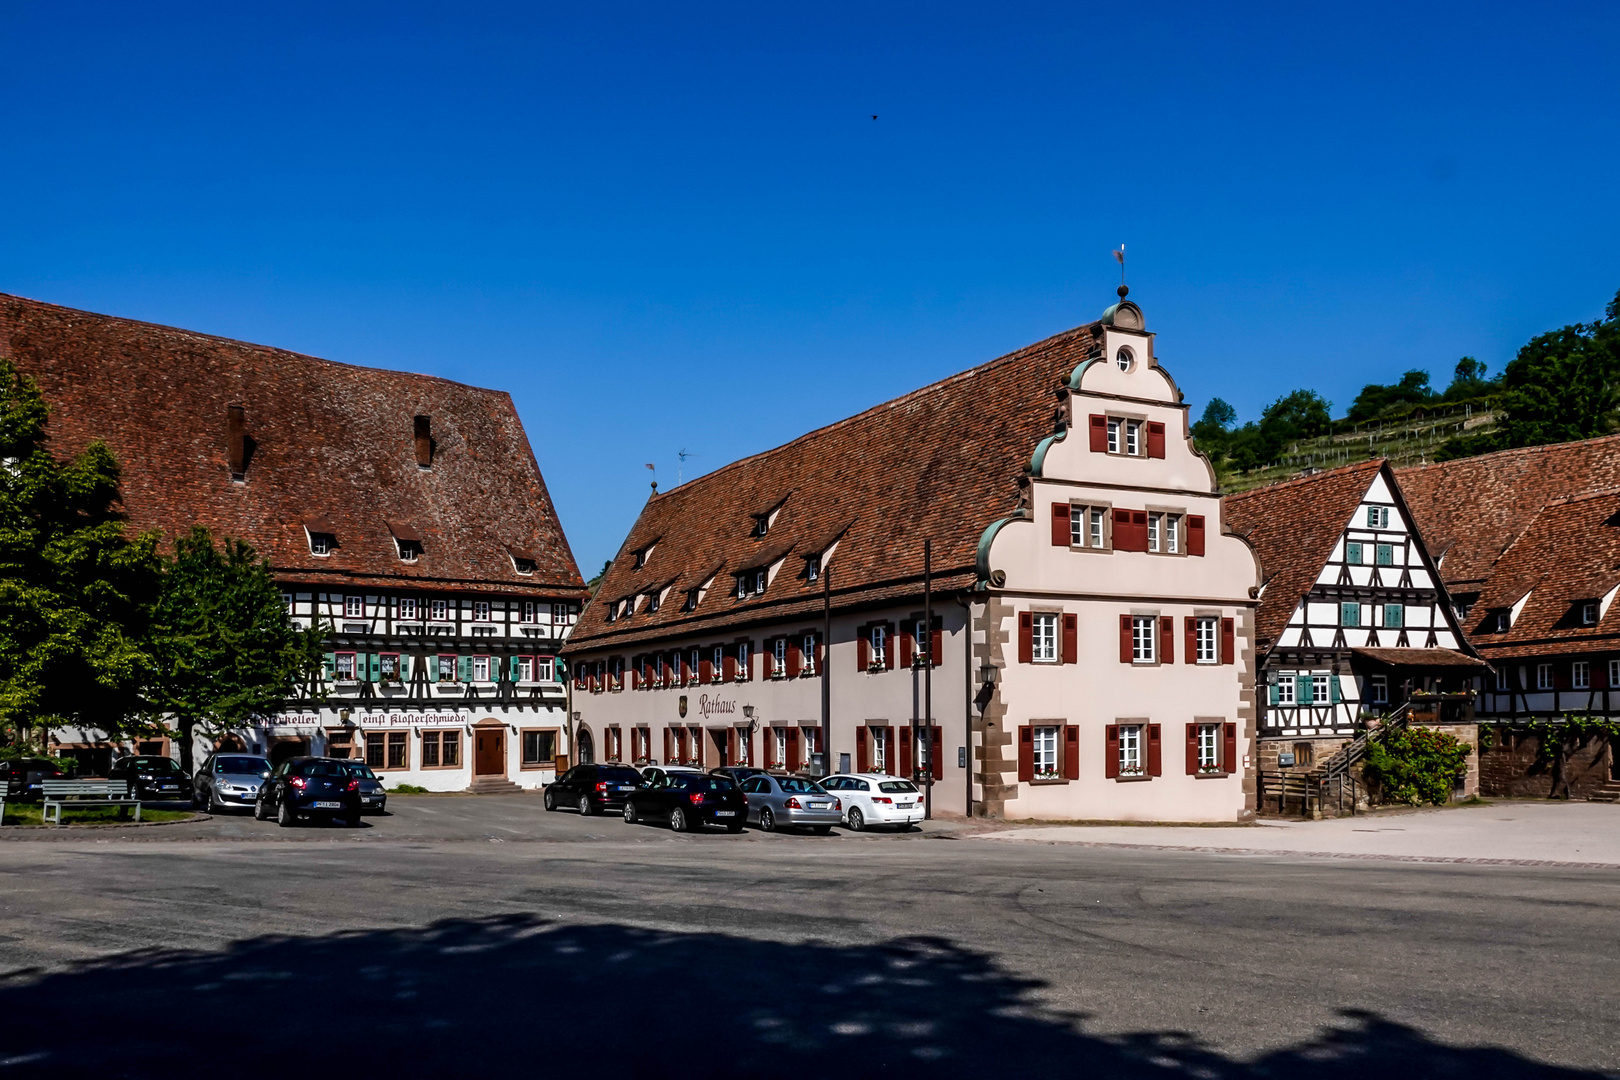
<point x="664" y="228"/>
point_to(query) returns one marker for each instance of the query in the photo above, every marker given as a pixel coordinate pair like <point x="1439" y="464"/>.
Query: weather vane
<point x="1120" y="255"/>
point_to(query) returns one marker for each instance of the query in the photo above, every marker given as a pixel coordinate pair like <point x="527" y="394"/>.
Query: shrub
<point x="407" y="789"/>
<point x="1417" y="765"/>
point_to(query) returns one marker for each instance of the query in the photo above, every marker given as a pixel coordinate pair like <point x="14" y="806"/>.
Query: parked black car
<point x="152" y="779"/>
<point x="24" y="778"/>
<point x="373" y="796"/>
<point x="229" y="779"/>
<point x="309" y="787"/>
<point x="689" y="801"/>
<point x="592" y="788"/>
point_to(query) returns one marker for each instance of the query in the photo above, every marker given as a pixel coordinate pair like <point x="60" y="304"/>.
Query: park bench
<point x="76" y="793"/>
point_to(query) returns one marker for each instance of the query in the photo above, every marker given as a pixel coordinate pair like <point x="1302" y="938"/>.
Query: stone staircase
<point x="493" y="785"/>
<point x="1609" y="792"/>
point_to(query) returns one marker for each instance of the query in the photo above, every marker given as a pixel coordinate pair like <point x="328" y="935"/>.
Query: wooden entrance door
<point x="489" y="751"/>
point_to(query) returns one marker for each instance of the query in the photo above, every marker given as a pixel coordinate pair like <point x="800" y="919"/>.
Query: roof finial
<point x="1120" y="255"/>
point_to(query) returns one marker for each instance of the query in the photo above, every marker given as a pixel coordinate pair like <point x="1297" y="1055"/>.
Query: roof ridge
<point x="1296" y="481"/>
<point x="1537" y="448"/>
<point x="1005" y="358"/>
<point x="1580" y="496"/>
<point x="257" y="346"/>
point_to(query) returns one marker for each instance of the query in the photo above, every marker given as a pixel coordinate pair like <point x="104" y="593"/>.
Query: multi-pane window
<point x="1589" y="613"/>
<point x="1377" y="517"/>
<point x="779" y="743"/>
<point x="1319" y="689"/>
<point x="717" y="663"/>
<point x="1394" y="616"/>
<point x="779" y="649"/>
<point x="1044" y="637"/>
<point x="347" y="667"/>
<point x="1113" y="435"/>
<point x="880" y="645"/>
<point x="524" y="669"/>
<point x="692" y="671"/>
<point x="925" y="654"/>
<point x="1502" y="682"/>
<point x="1378" y="690"/>
<point x="809" y="646"/>
<point x="1285" y="690"/>
<point x="287" y="602"/>
<point x="1095" y="518"/>
<point x="480" y="669"/>
<point x="1130" y="750"/>
<point x="480" y="611"/>
<point x="1144" y="639"/>
<point x="399" y="750"/>
<point x="543" y="668"/>
<point x="812" y="568"/>
<point x="354" y="607"/>
<point x="742" y="584"/>
<point x="1133" y="437"/>
<point x="388" y="667"/>
<point x="1209" y="747"/>
<point x="1046" y="753"/>
<point x="539" y="747"/>
<point x="1349" y="613"/>
<point x="1614" y="673"/>
<point x="1207" y="641"/>
<point x="562" y="614"/>
<point x="1544" y="677"/>
<point x="654" y="601"/>
<point x="441" y="748"/>
<point x="1086" y="525"/>
<point x="407" y="608"/>
<point x="439" y="610"/>
<point x="528" y="611"/>
<point x="1155" y="526"/>
<point x="447" y="668"/>
<point x="616" y="669"/>
<point x="745" y="658"/>
<point x="1172" y="534"/>
<point x="320" y="543"/>
<point x="1580" y="675"/>
<point x="880" y="749"/>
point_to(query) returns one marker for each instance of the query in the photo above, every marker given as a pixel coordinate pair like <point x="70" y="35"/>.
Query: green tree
<point x="1563" y="384"/>
<point x="1417" y="765"/>
<point x="1468" y="380"/>
<point x="75" y="589"/>
<point x="1376" y="399"/>
<point x="226" y="651"/>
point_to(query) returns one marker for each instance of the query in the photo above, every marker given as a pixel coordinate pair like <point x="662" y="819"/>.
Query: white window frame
<point x="1044" y="637"/>
<point x="779" y="649"/>
<point x="1589" y="613"/>
<point x="1377" y="517"/>
<point x="1321" y="694"/>
<point x="1113" y="435"/>
<point x="1132" y="753"/>
<point x="1206" y="636"/>
<point x="807" y="665"/>
<point x="528" y="611"/>
<point x="545" y="669"/>
<point x="440" y="610"/>
<point x="1209" y="748"/>
<point x="1078" y="515"/>
<point x="1155" y="525"/>
<point x="779" y="744"/>
<point x="1286" y="681"/>
<point x="696" y="673"/>
<point x="1580" y="675"/>
<point x="880" y="749"/>
<point x="525" y="669"/>
<point x="1144" y="639"/>
<point x="1097" y="518"/>
<point x="346" y="667"/>
<point x="447" y="668"/>
<point x="1133" y="438"/>
<point x="1047" y="751"/>
<point x="1172" y="534"/>
<point x="1503" y="681"/>
<point x="481" y="611"/>
<point x="879" y="637"/>
<point x="745" y="660"/>
<point x="1614" y="673"/>
<point x="354" y="607"/>
<point x="407" y="609"/>
<point x="480" y="669"/>
<point x="717" y="664"/>
<point x="1544" y="676"/>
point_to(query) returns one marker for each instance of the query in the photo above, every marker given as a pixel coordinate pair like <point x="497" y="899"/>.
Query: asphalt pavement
<point x="461" y="935"/>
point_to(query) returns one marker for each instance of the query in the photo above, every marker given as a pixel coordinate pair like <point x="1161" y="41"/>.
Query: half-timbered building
<point x="1353" y="617"/>
<point x="1088" y="652"/>
<point x="405" y="513"/>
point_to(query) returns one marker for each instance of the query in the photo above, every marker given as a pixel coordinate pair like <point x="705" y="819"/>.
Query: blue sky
<point x="664" y="228"/>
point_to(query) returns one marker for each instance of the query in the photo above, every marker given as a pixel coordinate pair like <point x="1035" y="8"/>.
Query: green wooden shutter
<point x="464" y="668"/>
<point x="1394" y="616"/>
<point x="1275" y="691"/>
<point x="374" y="666"/>
<point x="559" y="669"/>
<point x="1352" y="554"/>
<point x="1349" y="613"/>
<point x="1302" y="690"/>
<point x="331" y="666"/>
<point x="432" y="663"/>
<point x="1386" y="555"/>
<point x="1333" y="689"/>
<point x="497" y="668"/>
<point x="405" y="667"/>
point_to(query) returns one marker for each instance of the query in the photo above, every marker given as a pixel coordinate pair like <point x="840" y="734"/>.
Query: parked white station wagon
<point x="875" y="799"/>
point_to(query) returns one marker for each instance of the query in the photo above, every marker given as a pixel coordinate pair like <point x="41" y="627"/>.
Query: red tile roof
<point x="1471" y="509"/>
<point x="941" y="463"/>
<point x="1569" y="553"/>
<point x="330" y="443"/>
<point x="1293" y="526"/>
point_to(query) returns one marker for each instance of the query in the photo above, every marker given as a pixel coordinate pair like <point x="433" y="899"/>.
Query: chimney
<point x="236" y="442"/>
<point x="424" y="442"/>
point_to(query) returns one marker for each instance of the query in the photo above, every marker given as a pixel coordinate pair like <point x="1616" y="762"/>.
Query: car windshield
<point x="247" y="765"/>
<point x="362" y="771"/>
<point x="895" y="786"/>
<point x="322" y="768"/>
<point x="155" y="764"/>
<point x="801" y="787"/>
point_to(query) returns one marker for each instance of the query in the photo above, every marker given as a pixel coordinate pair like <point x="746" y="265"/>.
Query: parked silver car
<point x="229" y="779"/>
<point x="789" y="802"/>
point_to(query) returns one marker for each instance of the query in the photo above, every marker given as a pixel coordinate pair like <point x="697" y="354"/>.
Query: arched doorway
<point x="283" y="747"/>
<point x="586" y="749"/>
<point x="230" y="744"/>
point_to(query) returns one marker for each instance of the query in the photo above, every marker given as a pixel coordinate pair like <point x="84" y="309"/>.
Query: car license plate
<point x="328" y="806"/>
<point x="725" y="813"/>
<point x="905" y="805"/>
<point x="821" y="806"/>
<point x="627" y="787"/>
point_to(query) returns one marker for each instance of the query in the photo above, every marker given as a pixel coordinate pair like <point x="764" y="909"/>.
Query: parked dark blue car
<point x="319" y="789"/>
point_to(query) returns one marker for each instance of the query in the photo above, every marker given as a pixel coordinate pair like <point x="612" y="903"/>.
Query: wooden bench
<point x="77" y="793"/>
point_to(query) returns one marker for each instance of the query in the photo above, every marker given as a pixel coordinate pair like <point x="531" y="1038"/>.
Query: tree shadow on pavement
<point x="465" y="997"/>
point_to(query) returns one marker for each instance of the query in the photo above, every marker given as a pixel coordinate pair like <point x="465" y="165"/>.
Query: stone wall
<point x="1510" y="767"/>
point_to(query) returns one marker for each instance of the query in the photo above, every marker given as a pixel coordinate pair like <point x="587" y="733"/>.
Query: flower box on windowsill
<point x="1211" y="774"/>
<point x="1047" y="780"/>
<point x="1132" y="775"/>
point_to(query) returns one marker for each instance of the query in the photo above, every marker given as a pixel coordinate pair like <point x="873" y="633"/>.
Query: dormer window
<point x="652" y="602"/>
<point x="523" y="562"/>
<point x="409" y="550"/>
<point x="762" y="525"/>
<point x="812" y="568"/>
<point x="1502" y="621"/>
<point x="321" y="543"/>
<point x="691" y="600"/>
<point x="523" y="566"/>
<point x="1589" y="613"/>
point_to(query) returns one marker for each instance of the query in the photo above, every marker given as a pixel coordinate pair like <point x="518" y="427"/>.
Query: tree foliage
<point x="1562" y="385"/>
<point x="225" y="648"/>
<point x="1416" y="765"/>
<point x="75" y="590"/>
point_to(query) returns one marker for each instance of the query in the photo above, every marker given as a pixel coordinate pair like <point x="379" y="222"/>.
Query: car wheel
<point x="285" y="816"/>
<point x="353" y="820"/>
<point x="734" y="829"/>
<point x="630" y="817"/>
<point x="551" y="800"/>
<point x="767" y="820"/>
<point x="214" y="805"/>
<point x="585" y="807"/>
<point x="677" y="819"/>
<point x="857" y="820"/>
<point x="260" y="811"/>
<point x="821" y="830"/>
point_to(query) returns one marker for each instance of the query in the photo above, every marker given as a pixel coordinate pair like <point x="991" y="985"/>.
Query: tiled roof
<point x="1420" y="658"/>
<point x="1569" y="553"/>
<point x="1293" y="527"/>
<point x="328" y="443"/>
<point x="1471" y="509"/>
<point x="940" y="463"/>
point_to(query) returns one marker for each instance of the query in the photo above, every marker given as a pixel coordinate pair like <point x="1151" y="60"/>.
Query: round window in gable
<point x="1125" y="359"/>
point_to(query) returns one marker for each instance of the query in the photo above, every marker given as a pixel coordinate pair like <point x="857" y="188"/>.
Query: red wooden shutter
<point x="1229" y="758"/>
<point x="669" y="746"/>
<point x="1071" y="752"/>
<point x="1190" y="640"/>
<point x="936" y="641"/>
<point x="705" y="668"/>
<point x="732" y="756"/>
<point x="1139" y="530"/>
<point x="1099" y="434"/>
<point x="906" y="651"/>
<point x="635" y="672"/>
<point x="863" y="752"/>
<point x="1195" y="534"/>
<point x="1167" y="639"/>
<point x="1155" y="761"/>
<point x="1026" y="754"/>
<point x="1071" y="649"/>
<point x="1192" y="749"/>
<point x="1228" y="641"/>
<point x="1111" y="751"/>
<point x="936" y="754"/>
<point x="794" y="757"/>
<point x="795" y="659"/>
<point x="1026" y="637"/>
<point x="1060" y="524"/>
<point x="1126" y="653"/>
<point x="821" y="654"/>
<point x="863" y="649"/>
<point x="1155" y="439"/>
<point x="699" y="751"/>
<point x="728" y="666"/>
<point x="888" y="653"/>
<point x="905" y="752"/>
<point x="1122" y="531"/>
